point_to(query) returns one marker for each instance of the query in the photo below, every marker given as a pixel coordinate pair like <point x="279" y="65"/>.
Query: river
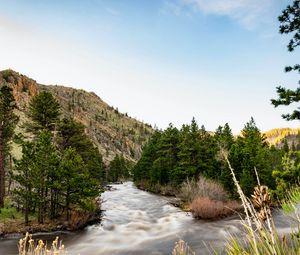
<point x="136" y="222"/>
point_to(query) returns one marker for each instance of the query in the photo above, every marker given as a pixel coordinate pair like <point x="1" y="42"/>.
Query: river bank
<point x="79" y="219"/>
<point x="205" y="199"/>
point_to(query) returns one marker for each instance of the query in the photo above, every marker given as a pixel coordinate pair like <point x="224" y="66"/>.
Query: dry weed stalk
<point x="181" y="248"/>
<point x="255" y="220"/>
<point x="27" y="246"/>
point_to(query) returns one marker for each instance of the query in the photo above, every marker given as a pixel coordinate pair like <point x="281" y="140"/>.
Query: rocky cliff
<point x="111" y="131"/>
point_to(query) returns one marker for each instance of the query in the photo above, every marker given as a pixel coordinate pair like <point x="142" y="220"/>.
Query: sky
<point x="161" y="61"/>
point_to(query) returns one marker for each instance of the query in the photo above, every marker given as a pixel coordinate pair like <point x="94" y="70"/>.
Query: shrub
<point x="190" y="190"/>
<point x="206" y="208"/>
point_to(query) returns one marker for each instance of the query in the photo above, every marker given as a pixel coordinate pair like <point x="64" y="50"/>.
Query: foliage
<point x="287" y="97"/>
<point x="72" y="134"/>
<point x="76" y="182"/>
<point x="36" y="174"/>
<point x="290" y="23"/>
<point x="55" y="176"/>
<point x="44" y="111"/>
<point x="251" y="151"/>
<point x="288" y="173"/>
<point x="119" y="169"/>
<point x="172" y="156"/>
<point x="9" y="213"/>
<point x="8" y="121"/>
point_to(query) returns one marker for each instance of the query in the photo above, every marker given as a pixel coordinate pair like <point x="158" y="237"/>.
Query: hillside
<point x="111" y="131"/>
<point x="277" y="136"/>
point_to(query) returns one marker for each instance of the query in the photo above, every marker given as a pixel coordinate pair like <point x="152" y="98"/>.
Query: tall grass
<point x="27" y="246"/>
<point x="182" y="248"/>
<point x="261" y="236"/>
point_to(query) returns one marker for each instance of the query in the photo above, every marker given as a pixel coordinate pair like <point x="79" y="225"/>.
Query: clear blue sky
<point x="161" y="61"/>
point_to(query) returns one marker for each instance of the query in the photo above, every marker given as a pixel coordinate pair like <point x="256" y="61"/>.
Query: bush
<point x="190" y="190"/>
<point x="206" y="208"/>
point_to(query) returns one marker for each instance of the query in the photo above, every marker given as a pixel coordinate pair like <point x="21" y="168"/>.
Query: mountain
<point x="277" y="136"/>
<point x="111" y="131"/>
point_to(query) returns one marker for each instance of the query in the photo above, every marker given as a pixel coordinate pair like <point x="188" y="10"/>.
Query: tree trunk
<point x="10" y="177"/>
<point x="27" y="207"/>
<point x="2" y="169"/>
<point x="68" y="205"/>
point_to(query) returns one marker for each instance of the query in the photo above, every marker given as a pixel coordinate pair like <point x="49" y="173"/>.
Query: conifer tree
<point x="249" y="152"/>
<point x="45" y="166"/>
<point x="77" y="185"/>
<point x="72" y="134"/>
<point x="290" y="24"/>
<point x="167" y="156"/>
<point x="188" y="152"/>
<point x="224" y="140"/>
<point x="44" y="111"/>
<point x="8" y="121"/>
<point x="287" y="173"/>
<point x="142" y="169"/>
<point x="24" y="172"/>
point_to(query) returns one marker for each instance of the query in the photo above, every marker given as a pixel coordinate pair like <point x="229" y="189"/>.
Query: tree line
<point x="174" y="155"/>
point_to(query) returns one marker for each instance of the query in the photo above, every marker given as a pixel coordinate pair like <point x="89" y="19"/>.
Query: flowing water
<point x="138" y="222"/>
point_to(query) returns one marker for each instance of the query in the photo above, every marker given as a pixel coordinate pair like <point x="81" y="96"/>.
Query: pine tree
<point x="224" y="140"/>
<point x="167" y="156"/>
<point x="290" y="24"/>
<point x="142" y="169"/>
<point x="118" y="169"/>
<point x="24" y="172"/>
<point x="8" y="121"/>
<point x="44" y="111"/>
<point x="249" y="152"/>
<point x="77" y="185"/>
<point x="287" y="173"/>
<point x="45" y="173"/>
<point x="72" y="134"/>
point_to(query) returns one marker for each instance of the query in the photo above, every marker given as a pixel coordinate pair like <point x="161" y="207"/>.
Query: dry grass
<point x="206" y="208"/>
<point x="181" y="248"/>
<point x="207" y="199"/>
<point x="27" y="246"/>
<point x="204" y="187"/>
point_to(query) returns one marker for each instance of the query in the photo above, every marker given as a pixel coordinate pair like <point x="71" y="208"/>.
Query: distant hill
<point x="277" y="136"/>
<point x="111" y="131"/>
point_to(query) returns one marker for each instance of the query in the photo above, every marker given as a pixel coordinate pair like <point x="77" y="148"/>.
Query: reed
<point x="28" y="246"/>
